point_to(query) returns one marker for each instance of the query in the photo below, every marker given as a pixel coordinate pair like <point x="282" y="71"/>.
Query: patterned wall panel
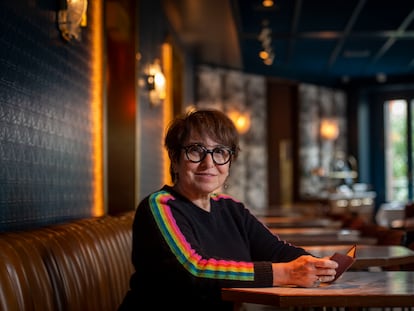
<point x="315" y="153"/>
<point x="45" y="119"/>
<point x="229" y="89"/>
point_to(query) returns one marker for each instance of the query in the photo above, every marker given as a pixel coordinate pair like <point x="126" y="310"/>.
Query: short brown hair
<point x="207" y="123"/>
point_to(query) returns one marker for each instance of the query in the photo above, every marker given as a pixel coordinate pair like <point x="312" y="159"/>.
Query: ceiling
<point x="320" y="41"/>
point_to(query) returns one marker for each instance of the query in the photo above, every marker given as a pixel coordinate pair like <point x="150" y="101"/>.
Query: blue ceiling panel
<point x="327" y="40"/>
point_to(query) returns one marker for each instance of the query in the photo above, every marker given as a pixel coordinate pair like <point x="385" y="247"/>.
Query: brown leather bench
<point x="82" y="265"/>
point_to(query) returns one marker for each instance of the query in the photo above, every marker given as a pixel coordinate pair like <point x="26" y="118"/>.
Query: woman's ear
<point x="174" y="165"/>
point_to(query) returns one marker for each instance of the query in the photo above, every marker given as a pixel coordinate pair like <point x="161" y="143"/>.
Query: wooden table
<point x="322" y="236"/>
<point x="298" y="222"/>
<point x="352" y="289"/>
<point x="368" y="255"/>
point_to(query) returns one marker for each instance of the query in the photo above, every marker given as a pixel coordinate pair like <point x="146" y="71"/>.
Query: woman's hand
<point x="305" y="271"/>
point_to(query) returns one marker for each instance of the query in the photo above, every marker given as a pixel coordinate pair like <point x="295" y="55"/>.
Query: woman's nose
<point x="208" y="159"/>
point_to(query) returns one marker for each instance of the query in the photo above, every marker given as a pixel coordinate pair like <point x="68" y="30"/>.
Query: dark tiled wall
<point x="45" y="118"/>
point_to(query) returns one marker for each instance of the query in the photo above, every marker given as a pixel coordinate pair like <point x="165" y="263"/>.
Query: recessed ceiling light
<point x="381" y="77"/>
<point x="267" y="3"/>
<point x="263" y="54"/>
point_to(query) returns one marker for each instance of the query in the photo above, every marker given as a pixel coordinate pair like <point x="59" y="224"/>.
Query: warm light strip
<point x="97" y="106"/>
<point x="167" y="62"/>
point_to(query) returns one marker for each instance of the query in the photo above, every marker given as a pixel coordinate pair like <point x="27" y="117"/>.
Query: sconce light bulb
<point x="241" y="120"/>
<point x="329" y="129"/>
<point x="242" y="124"/>
<point x="150" y="82"/>
<point x="160" y="85"/>
<point x="156" y="83"/>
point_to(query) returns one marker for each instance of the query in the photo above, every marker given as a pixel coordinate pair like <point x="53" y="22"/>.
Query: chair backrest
<point x="384" y="235"/>
<point x="391" y="237"/>
<point x="409" y="210"/>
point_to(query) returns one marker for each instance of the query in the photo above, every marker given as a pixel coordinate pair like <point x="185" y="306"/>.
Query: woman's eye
<point x="196" y="149"/>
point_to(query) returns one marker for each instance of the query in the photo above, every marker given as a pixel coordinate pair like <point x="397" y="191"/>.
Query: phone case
<point x="344" y="261"/>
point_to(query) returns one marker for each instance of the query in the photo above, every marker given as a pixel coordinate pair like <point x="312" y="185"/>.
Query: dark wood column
<point x="121" y="41"/>
<point x="282" y="142"/>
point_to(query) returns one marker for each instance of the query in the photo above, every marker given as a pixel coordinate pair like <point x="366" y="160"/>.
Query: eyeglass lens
<point x="197" y="153"/>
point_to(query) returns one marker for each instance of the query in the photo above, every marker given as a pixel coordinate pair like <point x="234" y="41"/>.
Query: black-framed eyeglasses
<point x="196" y="153"/>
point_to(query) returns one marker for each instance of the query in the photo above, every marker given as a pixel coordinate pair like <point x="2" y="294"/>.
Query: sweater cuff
<point x="263" y="274"/>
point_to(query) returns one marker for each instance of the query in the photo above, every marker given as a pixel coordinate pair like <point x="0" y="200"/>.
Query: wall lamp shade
<point x="329" y="129"/>
<point x="155" y="83"/>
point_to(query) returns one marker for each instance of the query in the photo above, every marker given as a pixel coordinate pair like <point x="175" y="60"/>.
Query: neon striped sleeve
<point x="218" y="196"/>
<point x="186" y="255"/>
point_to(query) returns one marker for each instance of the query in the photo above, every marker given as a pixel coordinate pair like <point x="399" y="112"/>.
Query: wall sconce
<point x="155" y="83"/>
<point x="329" y="129"/>
<point x="241" y="120"/>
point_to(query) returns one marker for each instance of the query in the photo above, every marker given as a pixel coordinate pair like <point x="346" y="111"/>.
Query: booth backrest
<point x="81" y="265"/>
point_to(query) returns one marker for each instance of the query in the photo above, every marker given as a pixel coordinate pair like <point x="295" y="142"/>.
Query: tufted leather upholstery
<point x="81" y="265"/>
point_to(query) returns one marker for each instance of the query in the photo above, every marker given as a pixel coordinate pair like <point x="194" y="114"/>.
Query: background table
<point x="322" y="236"/>
<point x="389" y="212"/>
<point x="368" y="255"/>
<point x="352" y="289"/>
<point x="299" y="222"/>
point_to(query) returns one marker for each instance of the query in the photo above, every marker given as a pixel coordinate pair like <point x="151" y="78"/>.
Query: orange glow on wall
<point x="97" y="106"/>
<point x="167" y="62"/>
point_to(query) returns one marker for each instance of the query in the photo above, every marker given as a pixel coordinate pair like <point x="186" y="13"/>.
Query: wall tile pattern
<point x="315" y="103"/>
<point x="45" y="119"/>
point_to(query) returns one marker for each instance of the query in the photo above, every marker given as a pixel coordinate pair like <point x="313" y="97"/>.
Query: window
<point x="398" y="123"/>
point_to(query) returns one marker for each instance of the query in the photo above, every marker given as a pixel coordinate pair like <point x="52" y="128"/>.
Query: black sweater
<point x="184" y="255"/>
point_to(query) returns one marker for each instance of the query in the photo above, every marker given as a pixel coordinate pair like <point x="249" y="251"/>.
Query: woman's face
<point x="202" y="178"/>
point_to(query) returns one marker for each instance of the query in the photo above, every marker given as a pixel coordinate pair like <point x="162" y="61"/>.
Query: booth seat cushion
<point x="81" y="265"/>
<point x="25" y="283"/>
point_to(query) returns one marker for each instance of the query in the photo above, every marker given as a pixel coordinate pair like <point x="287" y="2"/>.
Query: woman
<point x="190" y="240"/>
